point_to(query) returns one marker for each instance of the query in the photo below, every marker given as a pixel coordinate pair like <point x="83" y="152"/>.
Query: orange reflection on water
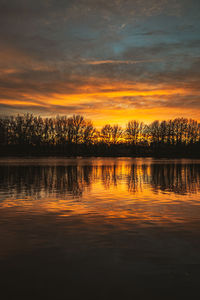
<point x="142" y="190"/>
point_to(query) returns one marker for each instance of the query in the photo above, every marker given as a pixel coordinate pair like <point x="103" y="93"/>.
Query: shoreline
<point x="33" y="155"/>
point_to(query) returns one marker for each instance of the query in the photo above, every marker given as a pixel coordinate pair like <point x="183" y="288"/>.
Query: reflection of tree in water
<point x="137" y="177"/>
<point x="109" y="175"/>
<point x="133" y="179"/>
<point x="37" y="181"/>
<point x="62" y="181"/>
<point x="177" y="178"/>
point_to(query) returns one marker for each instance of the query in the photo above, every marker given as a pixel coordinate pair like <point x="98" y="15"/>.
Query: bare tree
<point x="107" y="133"/>
<point x="134" y="131"/>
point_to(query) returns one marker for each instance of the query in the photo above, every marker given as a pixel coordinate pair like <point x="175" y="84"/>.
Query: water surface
<point x="99" y="228"/>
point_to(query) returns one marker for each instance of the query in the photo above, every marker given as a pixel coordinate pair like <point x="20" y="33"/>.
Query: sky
<point x="110" y="61"/>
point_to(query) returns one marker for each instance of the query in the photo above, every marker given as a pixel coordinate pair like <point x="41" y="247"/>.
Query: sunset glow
<point x="117" y="62"/>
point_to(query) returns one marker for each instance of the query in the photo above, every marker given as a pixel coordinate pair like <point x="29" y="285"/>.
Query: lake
<point x="99" y="228"/>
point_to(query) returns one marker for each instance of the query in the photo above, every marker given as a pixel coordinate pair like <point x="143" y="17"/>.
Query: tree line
<point x="29" y="134"/>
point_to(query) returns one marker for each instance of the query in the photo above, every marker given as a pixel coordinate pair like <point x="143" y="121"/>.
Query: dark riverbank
<point x="103" y="150"/>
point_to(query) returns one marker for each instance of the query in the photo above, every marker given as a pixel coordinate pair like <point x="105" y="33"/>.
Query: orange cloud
<point x="104" y="102"/>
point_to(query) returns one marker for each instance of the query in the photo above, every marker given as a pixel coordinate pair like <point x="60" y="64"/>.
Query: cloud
<point x="97" y="57"/>
<point x="127" y="62"/>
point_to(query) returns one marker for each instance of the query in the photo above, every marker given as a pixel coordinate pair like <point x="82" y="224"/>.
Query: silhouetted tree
<point x="134" y="131"/>
<point x="77" y="136"/>
<point x="117" y="134"/>
<point x="107" y="134"/>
